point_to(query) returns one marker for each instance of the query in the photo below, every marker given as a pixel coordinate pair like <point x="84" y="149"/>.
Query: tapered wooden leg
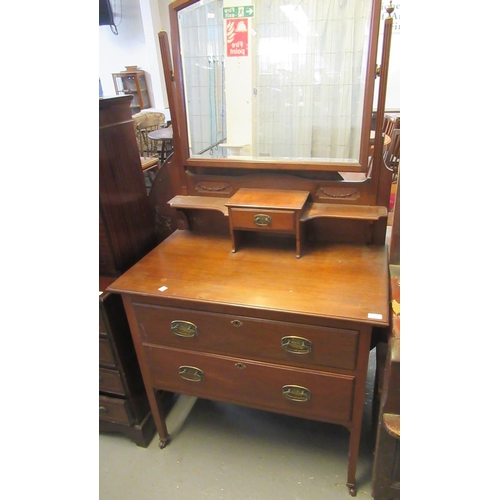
<point x="152" y="394"/>
<point x="353" y="460"/>
<point x="159" y="417"/>
<point x="357" y="417"/>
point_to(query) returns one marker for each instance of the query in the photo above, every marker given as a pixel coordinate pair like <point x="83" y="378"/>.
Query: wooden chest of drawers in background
<point x="126" y="233"/>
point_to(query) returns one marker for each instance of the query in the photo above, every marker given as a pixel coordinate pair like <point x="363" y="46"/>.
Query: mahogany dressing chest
<point x="258" y="327"/>
<point x="271" y="273"/>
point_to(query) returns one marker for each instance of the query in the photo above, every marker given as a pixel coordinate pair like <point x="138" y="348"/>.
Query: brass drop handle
<point x="103" y="410"/>
<point x="296" y="393"/>
<point x="296" y="345"/>
<point x="191" y="373"/>
<point x="262" y="220"/>
<point x="183" y="328"/>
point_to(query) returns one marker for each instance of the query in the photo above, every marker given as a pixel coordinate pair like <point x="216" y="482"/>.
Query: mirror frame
<point x="266" y="164"/>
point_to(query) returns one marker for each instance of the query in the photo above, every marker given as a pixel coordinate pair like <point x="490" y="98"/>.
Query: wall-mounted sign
<point x="235" y="12"/>
<point x="237" y="37"/>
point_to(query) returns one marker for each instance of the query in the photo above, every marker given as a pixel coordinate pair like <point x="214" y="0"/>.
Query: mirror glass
<point x="275" y="80"/>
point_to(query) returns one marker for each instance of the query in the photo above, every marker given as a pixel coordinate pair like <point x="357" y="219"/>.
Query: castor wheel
<point x="163" y="443"/>
<point x="352" y="491"/>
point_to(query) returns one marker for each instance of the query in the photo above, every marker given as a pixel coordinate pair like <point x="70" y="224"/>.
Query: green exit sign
<point x="235" y="12"/>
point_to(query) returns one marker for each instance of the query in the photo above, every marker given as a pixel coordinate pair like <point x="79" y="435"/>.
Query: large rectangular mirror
<point x="282" y="82"/>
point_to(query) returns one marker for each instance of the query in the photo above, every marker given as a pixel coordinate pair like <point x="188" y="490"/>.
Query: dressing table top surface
<point x="331" y="281"/>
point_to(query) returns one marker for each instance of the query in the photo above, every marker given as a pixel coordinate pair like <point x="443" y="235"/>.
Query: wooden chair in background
<point x="390" y="123"/>
<point x="392" y="156"/>
<point x="392" y="128"/>
<point x="145" y="122"/>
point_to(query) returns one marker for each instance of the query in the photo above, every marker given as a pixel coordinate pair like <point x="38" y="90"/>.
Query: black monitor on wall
<point x="105" y="13"/>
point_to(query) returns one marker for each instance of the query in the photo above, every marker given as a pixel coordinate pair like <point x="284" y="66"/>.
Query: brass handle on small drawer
<point x="296" y="393"/>
<point x="296" y="345"/>
<point x="103" y="410"/>
<point x="262" y="220"/>
<point x="191" y="373"/>
<point x="183" y="328"/>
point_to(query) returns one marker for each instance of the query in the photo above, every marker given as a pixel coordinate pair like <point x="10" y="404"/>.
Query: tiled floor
<point x="226" y="452"/>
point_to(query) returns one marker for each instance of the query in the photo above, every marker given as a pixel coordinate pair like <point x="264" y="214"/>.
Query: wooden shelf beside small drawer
<point x="336" y="211"/>
<point x="181" y="202"/>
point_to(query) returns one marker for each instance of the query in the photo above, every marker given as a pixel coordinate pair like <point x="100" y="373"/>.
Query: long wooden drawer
<point x="110" y="381"/>
<point x="312" y="394"/>
<point x="114" y="410"/>
<point x="248" y="337"/>
<point x="106" y="353"/>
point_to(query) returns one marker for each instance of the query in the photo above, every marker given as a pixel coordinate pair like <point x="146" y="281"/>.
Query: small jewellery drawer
<point x="110" y="381"/>
<point x="305" y="393"/>
<point x="106" y="353"/>
<point x="261" y="220"/>
<point x="275" y="341"/>
<point x="114" y="410"/>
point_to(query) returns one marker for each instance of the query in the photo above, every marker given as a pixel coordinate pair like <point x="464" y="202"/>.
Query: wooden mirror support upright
<point x="268" y="278"/>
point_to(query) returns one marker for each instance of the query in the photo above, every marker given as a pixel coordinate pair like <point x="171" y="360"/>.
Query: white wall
<point x="128" y="48"/>
<point x="138" y="23"/>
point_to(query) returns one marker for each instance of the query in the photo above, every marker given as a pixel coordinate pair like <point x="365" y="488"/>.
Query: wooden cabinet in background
<point x="133" y="82"/>
<point x="126" y="234"/>
<point x="123" y="404"/>
<point x="126" y="225"/>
